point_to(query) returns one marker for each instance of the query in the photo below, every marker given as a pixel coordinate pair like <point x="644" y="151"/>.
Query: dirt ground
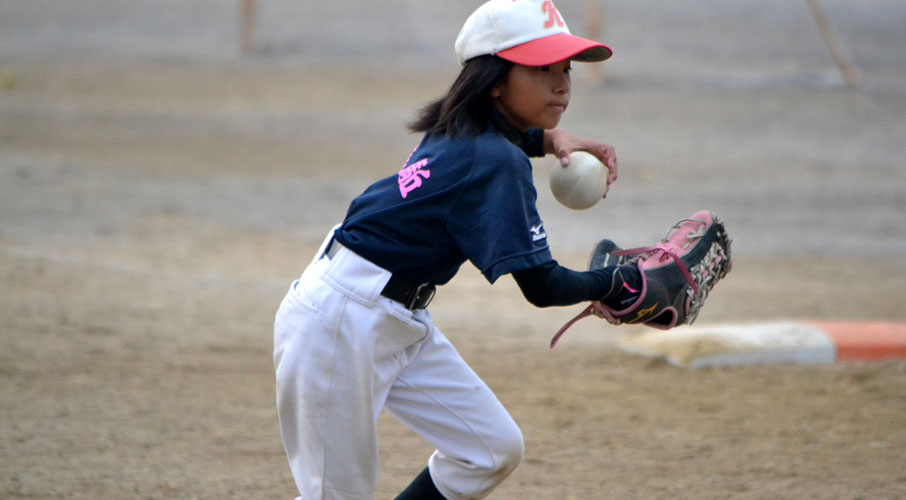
<point x="154" y="209"/>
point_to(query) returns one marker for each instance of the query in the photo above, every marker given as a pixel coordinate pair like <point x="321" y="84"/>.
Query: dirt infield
<point x="153" y="211"/>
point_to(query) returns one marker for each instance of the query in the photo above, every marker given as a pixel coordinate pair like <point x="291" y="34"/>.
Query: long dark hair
<point x="467" y="108"/>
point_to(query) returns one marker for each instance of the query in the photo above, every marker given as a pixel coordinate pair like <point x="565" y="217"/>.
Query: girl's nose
<point x="562" y="84"/>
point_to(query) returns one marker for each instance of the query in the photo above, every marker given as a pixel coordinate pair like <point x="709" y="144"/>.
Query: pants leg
<point x="439" y="397"/>
<point x="342" y="353"/>
<point x="337" y="345"/>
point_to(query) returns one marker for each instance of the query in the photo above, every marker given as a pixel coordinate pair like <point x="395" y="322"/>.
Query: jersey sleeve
<point x="533" y="142"/>
<point x="497" y="225"/>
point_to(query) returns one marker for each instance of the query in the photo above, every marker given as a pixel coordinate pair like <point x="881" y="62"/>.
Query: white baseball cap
<point x="527" y="32"/>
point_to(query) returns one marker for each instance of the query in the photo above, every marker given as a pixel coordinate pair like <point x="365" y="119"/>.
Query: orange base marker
<point x="866" y="341"/>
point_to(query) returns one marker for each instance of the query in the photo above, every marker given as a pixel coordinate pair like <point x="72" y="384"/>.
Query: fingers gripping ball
<point x="582" y="183"/>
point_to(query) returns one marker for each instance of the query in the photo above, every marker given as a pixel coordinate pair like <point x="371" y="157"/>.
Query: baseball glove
<point x="677" y="274"/>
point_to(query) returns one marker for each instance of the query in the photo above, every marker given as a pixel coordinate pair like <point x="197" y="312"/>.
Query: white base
<point x="730" y="345"/>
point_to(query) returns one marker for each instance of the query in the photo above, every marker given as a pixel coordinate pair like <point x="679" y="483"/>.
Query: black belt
<point x="397" y="289"/>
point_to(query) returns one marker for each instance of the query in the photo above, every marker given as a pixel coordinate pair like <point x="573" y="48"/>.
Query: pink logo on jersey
<point x="410" y="178"/>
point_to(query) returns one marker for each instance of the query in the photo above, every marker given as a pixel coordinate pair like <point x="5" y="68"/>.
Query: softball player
<point x="353" y="336"/>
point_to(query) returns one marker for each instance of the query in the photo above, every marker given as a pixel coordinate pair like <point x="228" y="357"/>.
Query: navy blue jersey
<point x="455" y="199"/>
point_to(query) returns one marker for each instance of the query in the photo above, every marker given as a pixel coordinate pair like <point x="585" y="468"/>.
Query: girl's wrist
<point x="550" y="140"/>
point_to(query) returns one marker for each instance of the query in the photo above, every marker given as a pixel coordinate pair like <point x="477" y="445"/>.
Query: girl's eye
<point x="547" y="69"/>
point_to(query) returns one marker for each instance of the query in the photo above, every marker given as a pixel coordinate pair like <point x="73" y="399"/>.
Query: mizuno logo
<point x="538" y="232"/>
<point x="641" y="313"/>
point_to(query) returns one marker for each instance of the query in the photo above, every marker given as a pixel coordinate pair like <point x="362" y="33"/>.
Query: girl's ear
<point x="495" y="91"/>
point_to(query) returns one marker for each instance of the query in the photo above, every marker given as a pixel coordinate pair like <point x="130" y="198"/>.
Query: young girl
<point x="353" y="335"/>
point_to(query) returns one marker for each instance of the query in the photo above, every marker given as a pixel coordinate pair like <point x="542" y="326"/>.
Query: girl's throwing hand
<point x="562" y="143"/>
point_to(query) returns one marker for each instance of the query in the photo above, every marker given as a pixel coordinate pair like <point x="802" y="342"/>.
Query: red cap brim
<point x="555" y="48"/>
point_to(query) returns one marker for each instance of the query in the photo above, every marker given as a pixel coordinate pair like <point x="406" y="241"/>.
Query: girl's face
<point x="534" y="96"/>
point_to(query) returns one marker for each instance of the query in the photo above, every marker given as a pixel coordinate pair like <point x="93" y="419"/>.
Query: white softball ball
<point x="580" y="184"/>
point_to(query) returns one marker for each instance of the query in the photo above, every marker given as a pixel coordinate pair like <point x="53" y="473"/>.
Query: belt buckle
<point x="421" y="296"/>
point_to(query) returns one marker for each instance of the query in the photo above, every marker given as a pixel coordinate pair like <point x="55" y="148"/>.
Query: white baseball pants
<point x="342" y="353"/>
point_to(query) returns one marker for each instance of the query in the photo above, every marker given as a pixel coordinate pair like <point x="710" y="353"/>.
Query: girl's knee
<point x="476" y="476"/>
<point x="508" y="449"/>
